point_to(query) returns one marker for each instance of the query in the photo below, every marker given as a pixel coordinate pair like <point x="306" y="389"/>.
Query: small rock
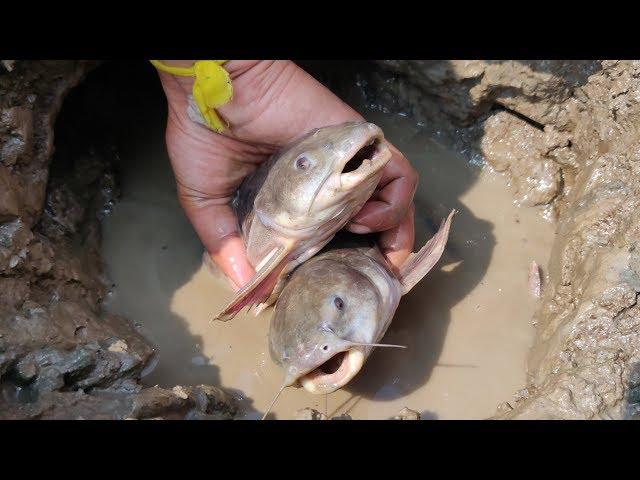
<point x="13" y="261"/>
<point x="27" y="370"/>
<point x="119" y="346"/>
<point x="407" y="414"/>
<point x="213" y="400"/>
<point x="310" y="414"/>
<point x="180" y="392"/>
<point x="8" y="64"/>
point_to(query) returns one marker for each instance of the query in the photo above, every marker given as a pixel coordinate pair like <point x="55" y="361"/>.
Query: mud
<point x="565" y="136"/>
<point x="311" y="414"/>
<point x="582" y="163"/>
<point x="585" y="363"/>
<point x="180" y="403"/>
<point x="59" y="350"/>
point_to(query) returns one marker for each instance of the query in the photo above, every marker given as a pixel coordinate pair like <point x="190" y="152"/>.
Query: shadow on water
<point x="121" y="108"/>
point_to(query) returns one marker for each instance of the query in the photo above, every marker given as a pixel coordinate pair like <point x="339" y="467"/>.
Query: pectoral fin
<point x="420" y="263"/>
<point x="260" y="287"/>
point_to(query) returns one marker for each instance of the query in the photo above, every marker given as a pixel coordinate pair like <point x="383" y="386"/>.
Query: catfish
<point x="297" y="200"/>
<point x="337" y="306"/>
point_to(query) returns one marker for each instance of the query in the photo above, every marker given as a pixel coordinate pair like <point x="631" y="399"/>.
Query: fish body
<point x="337" y="306"/>
<point x="296" y="201"/>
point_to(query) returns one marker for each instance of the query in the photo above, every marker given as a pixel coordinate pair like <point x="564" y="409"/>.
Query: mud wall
<point x="61" y="355"/>
<point x="567" y="135"/>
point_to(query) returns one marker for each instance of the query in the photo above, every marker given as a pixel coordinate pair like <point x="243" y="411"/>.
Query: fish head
<point x="312" y="188"/>
<point x="322" y="174"/>
<point x="325" y="309"/>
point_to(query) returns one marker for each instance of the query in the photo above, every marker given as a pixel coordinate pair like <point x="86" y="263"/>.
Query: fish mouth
<point x="364" y="161"/>
<point x="356" y="174"/>
<point x="334" y="373"/>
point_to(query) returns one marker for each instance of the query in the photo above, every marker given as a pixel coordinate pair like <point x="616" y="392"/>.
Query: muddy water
<point x="467" y="325"/>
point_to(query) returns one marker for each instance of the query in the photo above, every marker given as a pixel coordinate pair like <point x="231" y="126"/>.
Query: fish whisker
<point x="389" y="345"/>
<point x="274" y="401"/>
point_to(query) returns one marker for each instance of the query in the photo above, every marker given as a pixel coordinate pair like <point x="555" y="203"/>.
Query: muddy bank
<point x="564" y="133"/>
<point x="586" y="360"/>
<point x="567" y="135"/>
<point x="61" y="354"/>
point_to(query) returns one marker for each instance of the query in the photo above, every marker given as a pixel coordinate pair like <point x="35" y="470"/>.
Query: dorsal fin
<point x="419" y="264"/>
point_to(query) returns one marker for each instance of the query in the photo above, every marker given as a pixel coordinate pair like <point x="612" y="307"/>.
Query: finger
<point x="232" y="260"/>
<point x="277" y="102"/>
<point x="389" y="206"/>
<point x="217" y="228"/>
<point x="397" y="243"/>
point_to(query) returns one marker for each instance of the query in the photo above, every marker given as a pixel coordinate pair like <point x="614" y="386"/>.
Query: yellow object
<point x="211" y="89"/>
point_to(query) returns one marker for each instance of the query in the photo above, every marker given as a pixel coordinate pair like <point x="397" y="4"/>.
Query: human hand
<point x="274" y="103"/>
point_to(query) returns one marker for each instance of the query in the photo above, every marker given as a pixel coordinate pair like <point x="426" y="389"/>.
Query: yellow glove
<point x="211" y="89"/>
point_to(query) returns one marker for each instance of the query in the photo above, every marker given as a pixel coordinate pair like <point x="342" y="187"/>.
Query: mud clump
<point x="61" y="354"/>
<point x="189" y="403"/>
<point x="312" y="414"/>
<point x="309" y="414"/>
<point x="407" y="414"/>
<point x="513" y="146"/>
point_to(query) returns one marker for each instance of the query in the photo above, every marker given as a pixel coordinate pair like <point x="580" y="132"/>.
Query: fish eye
<point x="339" y="303"/>
<point x="303" y="163"/>
<point x="325" y="347"/>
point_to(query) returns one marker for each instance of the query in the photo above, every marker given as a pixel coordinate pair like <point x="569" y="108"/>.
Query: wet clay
<point x="586" y="360"/>
<point x="61" y="354"/>
<point x="467" y="325"/>
<point x="584" y="364"/>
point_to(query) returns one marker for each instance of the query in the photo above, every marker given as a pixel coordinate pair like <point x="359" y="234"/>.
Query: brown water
<point x="467" y="324"/>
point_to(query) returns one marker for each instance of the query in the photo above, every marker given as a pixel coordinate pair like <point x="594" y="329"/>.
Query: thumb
<point x="217" y="228"/>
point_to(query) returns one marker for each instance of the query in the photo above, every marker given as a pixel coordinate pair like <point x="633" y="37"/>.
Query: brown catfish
<point x="296" y="201"/>
<point x="337" y="306"/>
